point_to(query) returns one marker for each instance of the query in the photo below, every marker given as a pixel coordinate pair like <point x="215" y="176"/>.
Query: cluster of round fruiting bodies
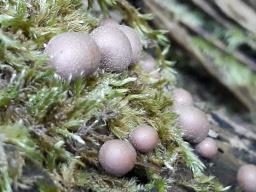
<point x="118" y="157"/>
<point x="114" y="47"/>
<point x="110" y="46"/>
<point x="194" y="124"/>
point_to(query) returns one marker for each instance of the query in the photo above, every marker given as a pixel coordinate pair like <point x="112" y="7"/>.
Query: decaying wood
<point x="236" y="142"/>
<point x="217" y="43"/>
<point x="181" y="35"/>
<point x="251" y="3"/>
<point x="239" y="12"/>
<point x="212" y="12"/>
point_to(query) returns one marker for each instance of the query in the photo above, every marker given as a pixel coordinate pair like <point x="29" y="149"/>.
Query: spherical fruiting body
<point x="246" y="177"/>
<point x="147" y="63"/>
<point x="115" y="48"/>
<point x="207" y="148"/>
<point x="193" y="123"/>
<point x="144" y="138"/>
<point x="73" y="54"/>
<point x="117" y="157"/>
<point x="182" y="97"/>
<point x="135" y="42"/>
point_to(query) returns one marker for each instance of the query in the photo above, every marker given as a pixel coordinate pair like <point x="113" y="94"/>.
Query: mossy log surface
<point x="51" y="130"/>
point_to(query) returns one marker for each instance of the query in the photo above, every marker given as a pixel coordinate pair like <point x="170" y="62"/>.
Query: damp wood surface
<point x="184" y="33"/>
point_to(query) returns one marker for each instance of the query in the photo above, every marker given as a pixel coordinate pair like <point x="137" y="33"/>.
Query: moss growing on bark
<point x="51" y="130"/>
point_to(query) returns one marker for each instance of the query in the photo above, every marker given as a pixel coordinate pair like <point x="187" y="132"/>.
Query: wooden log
<point x="236" y="142"/>
<point x="239" y="12"/>
<point x="181" y="35"/>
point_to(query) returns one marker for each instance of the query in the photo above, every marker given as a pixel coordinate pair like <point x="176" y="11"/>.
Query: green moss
<point x="60" y="125"/>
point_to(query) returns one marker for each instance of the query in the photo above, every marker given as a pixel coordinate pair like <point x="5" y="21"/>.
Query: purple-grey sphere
<point x="134" y="39"/>
<point x="246" y="177"/>
<point x="182" y="97"/>
<point x="207" y="148"/>
<point x="117" y="157"/>
<point x="130" y="33"/>
<point x="193" y="122"/>
<point x="148" y="65"/>
<point x="115" y="48"/>
<point x="73" y="54"/>
<point x="144" y="138"/>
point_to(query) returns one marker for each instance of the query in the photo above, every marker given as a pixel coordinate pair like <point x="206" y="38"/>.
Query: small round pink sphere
<point x="134" y="39"/>
<point x="182" y="97"/>
<point x="130" y="33"/>
<point x="114" y="46"/>
<point x="207" y="148"/>
<point x="117" y="157"/>
<point x="73" y="54"/>
<point x="193" y="122"/>
<point x="246" y="178"/>
<point x="144" y="138"/>
<point x="147" y="63"/>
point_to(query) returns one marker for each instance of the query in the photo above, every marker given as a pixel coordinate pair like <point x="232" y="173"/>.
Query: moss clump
<point x="51" y="129"/>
